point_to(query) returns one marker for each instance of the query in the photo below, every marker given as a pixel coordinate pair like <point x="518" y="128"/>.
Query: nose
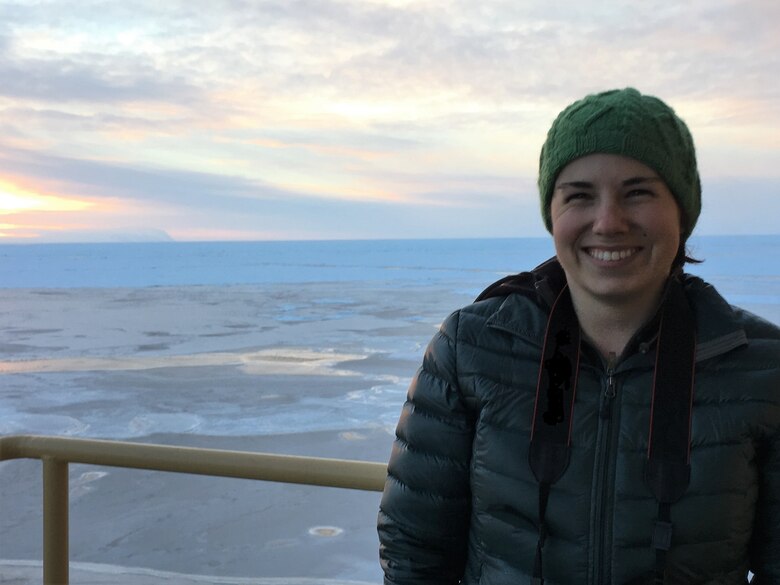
<point x="610" y="218"/>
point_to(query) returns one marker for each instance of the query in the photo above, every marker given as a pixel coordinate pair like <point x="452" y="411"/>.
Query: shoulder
<point x="516" y="314"/>
<point x="738" y="353"/>
<point x="465" y="320"/>
<point x="517" y="304"/>
<point x="715" y="315"/>
<point x="738" y="364"/>
<point x="756" y="327"/>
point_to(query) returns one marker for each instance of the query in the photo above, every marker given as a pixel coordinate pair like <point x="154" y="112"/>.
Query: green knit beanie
<point x="628" y="123"/>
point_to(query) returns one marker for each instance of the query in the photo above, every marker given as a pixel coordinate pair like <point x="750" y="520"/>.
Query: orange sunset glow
<point x="13" y="201"/>
<point x="17" y="203"/>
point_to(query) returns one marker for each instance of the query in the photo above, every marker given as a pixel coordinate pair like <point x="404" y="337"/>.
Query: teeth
<point x="611" y="256"/>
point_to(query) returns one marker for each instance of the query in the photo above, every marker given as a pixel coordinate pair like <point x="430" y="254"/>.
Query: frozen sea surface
<point x="227" y="360"/>
<point x="113" y="341"/>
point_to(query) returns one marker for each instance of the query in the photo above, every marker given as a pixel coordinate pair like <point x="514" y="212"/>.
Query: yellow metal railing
<point x="57" y="452"/>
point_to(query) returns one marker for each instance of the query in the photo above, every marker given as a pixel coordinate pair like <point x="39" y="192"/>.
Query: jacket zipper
<point x="605" y="414"/>
<point x="609" y="393"/>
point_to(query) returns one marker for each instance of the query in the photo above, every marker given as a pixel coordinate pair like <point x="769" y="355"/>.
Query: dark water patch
<point x="32" y="331"/>
<point x="153" y="347"/>
<point x="20" y="348"/>
<point x="222" y="334"/>
<point x="157" y="333"/>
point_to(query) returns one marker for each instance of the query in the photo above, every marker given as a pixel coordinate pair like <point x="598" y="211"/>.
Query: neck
<point x="610" y="324"/>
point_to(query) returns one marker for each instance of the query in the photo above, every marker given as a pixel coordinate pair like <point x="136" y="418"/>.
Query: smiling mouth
<point x="611" y="255"/>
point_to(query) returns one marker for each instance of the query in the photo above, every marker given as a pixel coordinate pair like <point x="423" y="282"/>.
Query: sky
<point x="324" y="119"/>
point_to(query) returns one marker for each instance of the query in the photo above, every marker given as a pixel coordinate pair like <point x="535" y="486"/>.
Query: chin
<point x="622" y="290"/>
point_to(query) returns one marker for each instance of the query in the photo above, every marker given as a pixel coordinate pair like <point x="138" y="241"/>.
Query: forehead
<point x="604" y="167"/>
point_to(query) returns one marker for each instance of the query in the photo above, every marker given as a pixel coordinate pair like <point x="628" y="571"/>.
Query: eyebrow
<point x="627" y="183"/>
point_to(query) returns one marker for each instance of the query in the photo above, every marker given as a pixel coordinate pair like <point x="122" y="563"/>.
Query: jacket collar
<point x="518" y="316"/>
<point x="718" y="330"/>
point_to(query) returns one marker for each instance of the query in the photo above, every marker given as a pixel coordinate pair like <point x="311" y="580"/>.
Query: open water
<point x="746" y="269"/>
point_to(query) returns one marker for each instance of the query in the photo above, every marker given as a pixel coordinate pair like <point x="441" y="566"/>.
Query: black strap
<point x="544" y="493"/>
<point x="555" y="392"/>
<point x="551" y="429"/>
<point x="662" y="540"/>
<point x="548" y="454"/>
<point x="668" y="469"/>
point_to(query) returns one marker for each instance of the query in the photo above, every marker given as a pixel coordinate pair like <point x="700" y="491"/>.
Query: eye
<point x="576" y="196"/>
<point x="639" y="192"/>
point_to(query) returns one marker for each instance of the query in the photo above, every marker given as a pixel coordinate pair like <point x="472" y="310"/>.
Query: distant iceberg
<point x="100" y="236"/>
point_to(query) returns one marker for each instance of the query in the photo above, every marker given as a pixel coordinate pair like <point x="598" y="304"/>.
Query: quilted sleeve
<point x="424" y="514"/>
<point x="765" y="553"/>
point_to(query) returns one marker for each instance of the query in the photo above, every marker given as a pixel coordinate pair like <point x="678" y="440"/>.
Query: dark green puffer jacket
<point x="461" y="503"/>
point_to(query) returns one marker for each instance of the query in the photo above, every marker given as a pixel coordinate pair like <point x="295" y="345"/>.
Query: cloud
<point x="182" y="202"/>
<point x="109" y="180"/>
<point x="103" y="80"/>
<point x="443" y="55"/>
<point x="191" y="205"/>
<point x="99" y="179"/>
<point x="360" y="144"/>
<point x="362" y="116"/>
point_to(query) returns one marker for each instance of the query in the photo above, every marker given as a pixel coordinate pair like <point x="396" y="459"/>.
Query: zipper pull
<point x="609" y="393"/>
<point x="611" y="361"/>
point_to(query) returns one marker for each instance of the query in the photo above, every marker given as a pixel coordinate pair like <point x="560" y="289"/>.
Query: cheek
<point x="566" y="250"/>
<point x="666" y="219"/>
<point x="564" y="225"/>
<point x="666" y="225"/>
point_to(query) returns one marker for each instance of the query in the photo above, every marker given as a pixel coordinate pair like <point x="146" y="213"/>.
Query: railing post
<point x="55" y="522"/>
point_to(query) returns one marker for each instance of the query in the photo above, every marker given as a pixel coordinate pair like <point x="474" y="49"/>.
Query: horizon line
<point x="322" y="240"/>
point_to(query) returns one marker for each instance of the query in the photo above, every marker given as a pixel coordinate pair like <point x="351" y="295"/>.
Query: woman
<point x="604" y="418"/>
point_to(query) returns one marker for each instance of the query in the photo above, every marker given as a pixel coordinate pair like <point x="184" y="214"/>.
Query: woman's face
<point x="616" y="228"/>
